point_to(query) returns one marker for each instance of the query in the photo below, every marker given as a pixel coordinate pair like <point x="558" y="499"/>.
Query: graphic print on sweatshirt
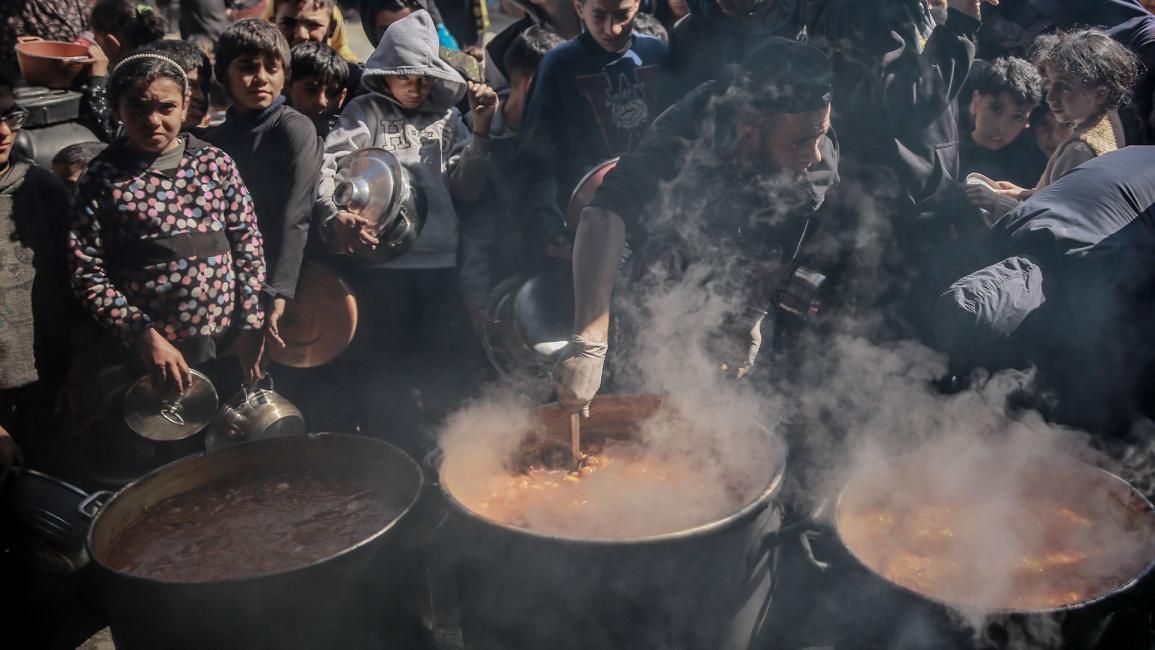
<point x="399" y="134"/>
<point x="623" y="100"/>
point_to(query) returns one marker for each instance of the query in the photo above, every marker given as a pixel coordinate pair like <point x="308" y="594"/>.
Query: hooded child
<point x="413" y="327"/>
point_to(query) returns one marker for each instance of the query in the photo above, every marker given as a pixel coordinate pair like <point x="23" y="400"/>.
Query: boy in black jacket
<point x="275" y="148"/>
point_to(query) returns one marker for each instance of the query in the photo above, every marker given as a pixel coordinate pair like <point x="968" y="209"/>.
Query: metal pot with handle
<point x="371" y="183"/>
<point x="255" y="413"/>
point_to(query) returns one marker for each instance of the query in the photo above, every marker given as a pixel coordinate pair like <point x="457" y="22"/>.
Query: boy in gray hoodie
<point x="413" y="327"/>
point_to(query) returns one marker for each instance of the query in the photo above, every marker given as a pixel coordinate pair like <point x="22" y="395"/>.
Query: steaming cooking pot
<point x="705" y="588"/>
<point x="360" y="597"/>
<point x="1103" y="620"/>
<point x="255" y="413"/>
<point x="371" y="183"/>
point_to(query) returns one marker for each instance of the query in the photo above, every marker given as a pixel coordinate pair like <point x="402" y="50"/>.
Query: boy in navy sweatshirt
<point x="591" y="100"/>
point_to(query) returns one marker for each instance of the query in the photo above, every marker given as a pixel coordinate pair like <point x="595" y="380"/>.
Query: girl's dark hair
<point x="132" y="73"/>
<point x="1014" y="76"/>
<point x="133" y="24"/>
<point x="320" y="61"/>
<point x="1092" y="57"/>
<point x="250" y="36"/>
<point x="188" y="56"/>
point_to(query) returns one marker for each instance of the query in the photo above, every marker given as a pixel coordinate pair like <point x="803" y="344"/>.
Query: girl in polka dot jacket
<point x="164" y="247"/>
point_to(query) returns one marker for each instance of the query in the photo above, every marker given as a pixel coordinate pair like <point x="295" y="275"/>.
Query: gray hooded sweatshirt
<point x="432" y="142"/>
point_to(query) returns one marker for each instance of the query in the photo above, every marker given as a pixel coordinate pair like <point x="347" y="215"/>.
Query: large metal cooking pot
<point x="362" y="597"/>
<point x="1109" y="620"/>
<point x="371" y="183"/>
<point x="705" y="588"/>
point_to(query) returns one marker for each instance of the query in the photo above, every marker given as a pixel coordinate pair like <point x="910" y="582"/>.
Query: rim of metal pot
<point x="237" y="448"/>
<point x="755" y="505"/>
<point x="1008" y="611"/>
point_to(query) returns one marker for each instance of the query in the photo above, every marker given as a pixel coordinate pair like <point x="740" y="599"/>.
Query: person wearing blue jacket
<point x="591" y="100"/>
<point x="1073" y="293"/>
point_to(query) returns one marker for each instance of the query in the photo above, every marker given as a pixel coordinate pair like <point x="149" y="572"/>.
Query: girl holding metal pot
<point x="165" y="254"/>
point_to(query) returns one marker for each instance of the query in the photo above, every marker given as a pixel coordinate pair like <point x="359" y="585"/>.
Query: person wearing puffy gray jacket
<point x="402" y="362"/>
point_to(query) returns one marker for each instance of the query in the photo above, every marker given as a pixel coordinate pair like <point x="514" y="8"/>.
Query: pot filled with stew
<point x="632" y="542"/>
<point x="1020" y="542"/>
<point x="282" y="543"/>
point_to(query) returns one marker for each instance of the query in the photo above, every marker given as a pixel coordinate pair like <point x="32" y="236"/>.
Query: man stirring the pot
<point x="719" y="194"/>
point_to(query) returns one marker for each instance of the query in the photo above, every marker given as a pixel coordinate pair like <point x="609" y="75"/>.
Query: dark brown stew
<point x="252" y="526"/>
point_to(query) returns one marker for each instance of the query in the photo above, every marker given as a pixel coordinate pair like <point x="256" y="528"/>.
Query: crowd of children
<point x="189" y="224"/>
<point x="177" y="242"/>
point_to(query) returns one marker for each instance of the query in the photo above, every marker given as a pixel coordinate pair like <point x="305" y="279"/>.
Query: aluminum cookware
<point x="585" y="190"/>
<point x="255" y="413"/>
<point x="158" y="415"/>
<point x="43" y="520"/>
<point x="371" y="183"/>
<point x="364" y="596"/>
<point x="530" y="321"/>
<point x="704" y="588"/>
<point x="320" y="321"/>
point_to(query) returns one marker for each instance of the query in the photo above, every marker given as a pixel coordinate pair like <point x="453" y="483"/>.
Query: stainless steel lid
<point x="158" y="415"/>
<point x="371" y="183"/>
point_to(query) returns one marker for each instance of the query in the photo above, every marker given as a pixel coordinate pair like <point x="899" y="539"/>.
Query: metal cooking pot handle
<point x="28" y="39"/>
<point x="93" y="503"/>
<point x="257" y="384"/>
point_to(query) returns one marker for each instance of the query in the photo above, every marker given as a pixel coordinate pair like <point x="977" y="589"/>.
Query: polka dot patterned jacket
<point x="178" y="251"/>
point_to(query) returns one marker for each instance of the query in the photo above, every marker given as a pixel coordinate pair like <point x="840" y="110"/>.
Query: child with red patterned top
<point x="163" y="243"/>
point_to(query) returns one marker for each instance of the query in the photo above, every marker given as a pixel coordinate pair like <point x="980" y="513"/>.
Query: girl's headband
<point x="159" y="57"/>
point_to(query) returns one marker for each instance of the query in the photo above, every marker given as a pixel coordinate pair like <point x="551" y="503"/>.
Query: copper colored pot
<point x="54" y="64"/>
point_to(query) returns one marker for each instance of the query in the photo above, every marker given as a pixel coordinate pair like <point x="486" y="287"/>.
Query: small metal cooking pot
<point x="371" y="183"/>
<point x="255" y="413"/>
<point x="530" y="322"/>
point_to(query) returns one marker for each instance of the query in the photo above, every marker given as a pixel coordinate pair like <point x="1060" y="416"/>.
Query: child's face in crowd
<point x="198" y="105"/>
<point x="304" y="21"/>
<point x="152" y="114"/>
<point x="314" y="98"/>
<point x="7" y="132"/>
<point x="255" y="80"/>
<point x="384" y="19"/>
<point x="609" y="22"/>
<point x="999" y="119"/>
<point x="770" y="143"/>
<point x="409" y="90"/>
<point x="1071" y="100"/>
<point x="1050" y="133"/>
